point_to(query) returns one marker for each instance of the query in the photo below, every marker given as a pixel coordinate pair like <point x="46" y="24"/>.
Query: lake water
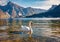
<point x="41" y="26"/>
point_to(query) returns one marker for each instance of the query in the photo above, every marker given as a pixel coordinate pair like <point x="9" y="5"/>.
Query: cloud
<point x="52" y="2"/>
<point x="3" y="2"/>
<point x="45" y="4"/>
<point x="55" y="2"/>
<point x="43" y="7"/>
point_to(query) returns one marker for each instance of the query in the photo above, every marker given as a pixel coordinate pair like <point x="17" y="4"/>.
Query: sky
<point x="43" y="4"/>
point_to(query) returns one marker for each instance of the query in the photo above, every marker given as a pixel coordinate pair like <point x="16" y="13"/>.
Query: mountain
<point x="52" y="7"/>
<point x="52" y="12"/>
<point x="4" y="15"/>
<point x="16" y="11"/>
<point x="11" y="8"/>
<point x="30" y="11"/>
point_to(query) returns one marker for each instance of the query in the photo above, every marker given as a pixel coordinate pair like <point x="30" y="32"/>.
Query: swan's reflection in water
<point x="42" y="32"/>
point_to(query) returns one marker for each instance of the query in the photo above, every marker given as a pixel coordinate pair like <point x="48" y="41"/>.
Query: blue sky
<point x="30" y="3"/>
<point x="44" y="4"/>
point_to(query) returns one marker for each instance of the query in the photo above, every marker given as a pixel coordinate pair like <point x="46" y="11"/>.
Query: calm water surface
<point x="42" y="27"/>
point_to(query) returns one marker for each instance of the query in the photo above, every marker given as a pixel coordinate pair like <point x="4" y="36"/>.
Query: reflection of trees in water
<point x="12" y="24"/>
<point x="56" y="23"/>
<point x="55" y="26"/>
<point x="3" y="22"/>
<point x="32" y="39"/>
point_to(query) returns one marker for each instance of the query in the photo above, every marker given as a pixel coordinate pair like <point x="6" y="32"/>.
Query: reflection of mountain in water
<point x="39" y="26"/>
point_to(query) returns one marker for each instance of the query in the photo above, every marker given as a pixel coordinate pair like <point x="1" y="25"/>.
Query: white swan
<point x="26" y="29"/>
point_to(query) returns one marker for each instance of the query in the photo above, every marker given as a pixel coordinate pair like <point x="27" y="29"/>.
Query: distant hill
<point x="15" y="11"/>
<point x="4" y="15"/>
<point x="52" y="7"/>
<point x="52" y="12"/>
